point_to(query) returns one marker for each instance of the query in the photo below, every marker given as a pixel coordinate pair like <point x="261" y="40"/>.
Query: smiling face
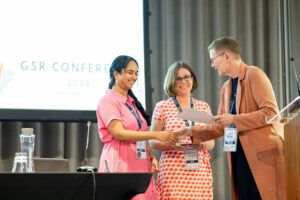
<point x="225" y="56"/>
<point x="126" y="79"/>
<point x="183" y="82"/>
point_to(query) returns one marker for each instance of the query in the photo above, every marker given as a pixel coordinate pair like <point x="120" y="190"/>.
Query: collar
<point x="242" y="71"/>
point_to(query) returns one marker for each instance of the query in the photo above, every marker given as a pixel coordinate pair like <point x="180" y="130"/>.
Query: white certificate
<point x="197" y="116"/>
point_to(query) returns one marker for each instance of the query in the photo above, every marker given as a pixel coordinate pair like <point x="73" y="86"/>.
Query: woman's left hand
<point x="154" y="164"/>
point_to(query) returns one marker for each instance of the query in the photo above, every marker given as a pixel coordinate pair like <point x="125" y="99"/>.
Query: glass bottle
<point x="20" y="163"/>
<point x="27" y="139"/>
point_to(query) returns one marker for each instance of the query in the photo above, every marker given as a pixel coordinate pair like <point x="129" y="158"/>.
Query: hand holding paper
<point x="208" y="130"/>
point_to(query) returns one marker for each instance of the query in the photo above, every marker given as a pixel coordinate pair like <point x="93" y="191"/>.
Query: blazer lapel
<point x="239" y="88"/>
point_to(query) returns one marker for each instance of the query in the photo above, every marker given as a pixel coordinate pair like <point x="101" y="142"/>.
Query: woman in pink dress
<point x="185" y="171"/>
<point x="122" y="125"/>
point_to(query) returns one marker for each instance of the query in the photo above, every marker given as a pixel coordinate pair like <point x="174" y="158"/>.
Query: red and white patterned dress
<point x="173" y="180"/>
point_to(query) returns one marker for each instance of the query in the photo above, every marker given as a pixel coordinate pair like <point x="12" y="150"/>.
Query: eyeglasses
<point x="180" y="79"/>
<point x="212" y="60"/>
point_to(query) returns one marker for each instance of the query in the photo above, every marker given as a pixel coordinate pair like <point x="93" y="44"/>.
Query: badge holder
<point x="230" y="139"/>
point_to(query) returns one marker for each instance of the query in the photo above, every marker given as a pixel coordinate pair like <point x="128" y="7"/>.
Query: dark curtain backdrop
<point x="182" y="30"/>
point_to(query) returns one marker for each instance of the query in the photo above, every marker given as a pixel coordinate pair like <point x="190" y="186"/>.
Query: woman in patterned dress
<point x="122" y="124"/>
<point x="181" y="176"/>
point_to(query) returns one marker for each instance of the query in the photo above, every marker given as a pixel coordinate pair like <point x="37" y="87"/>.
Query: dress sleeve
<point x="107" y="111"/>
<point x="158" y="112"/>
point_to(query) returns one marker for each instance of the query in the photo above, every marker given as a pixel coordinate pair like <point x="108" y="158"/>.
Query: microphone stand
<point x="85" y="167"/>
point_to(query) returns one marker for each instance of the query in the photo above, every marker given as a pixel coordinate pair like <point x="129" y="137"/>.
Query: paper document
<point x="197" y="116"/>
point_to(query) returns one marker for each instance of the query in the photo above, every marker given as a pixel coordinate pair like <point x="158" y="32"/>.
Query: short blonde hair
<point x="171" y="75"/>
<point x="225" y="44"/>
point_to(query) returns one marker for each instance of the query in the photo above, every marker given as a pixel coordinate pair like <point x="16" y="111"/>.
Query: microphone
<point x="87" y="142"/>
<point x="295" y="73"/>
<point x="86" y="168"/>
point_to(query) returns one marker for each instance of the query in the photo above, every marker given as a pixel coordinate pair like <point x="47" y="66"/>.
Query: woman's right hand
<point x="166" y="137"/>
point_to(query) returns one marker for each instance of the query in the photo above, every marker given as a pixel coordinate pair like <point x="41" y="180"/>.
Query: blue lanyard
<point x="232" y="108"/>
<point x="180" y="110"/>
<point x="136" y="115"/>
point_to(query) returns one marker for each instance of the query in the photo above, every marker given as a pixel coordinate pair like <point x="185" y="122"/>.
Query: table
<point x="73" y="186"/>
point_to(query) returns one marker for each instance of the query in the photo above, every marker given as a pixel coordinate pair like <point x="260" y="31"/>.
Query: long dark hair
<point x="118" y="65"/>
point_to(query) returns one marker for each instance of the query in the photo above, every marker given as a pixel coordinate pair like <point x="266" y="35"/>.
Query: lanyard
<point x="232" y="105"/>
<point x="233" y="99"/>
<point x="233" y="96"/>
<point x="180" y="110"/>
<point x="136" y="115"/>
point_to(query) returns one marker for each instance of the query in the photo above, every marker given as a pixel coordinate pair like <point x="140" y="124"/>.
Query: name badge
<point x="230" y="139"/>
<point x="141" y="150"/>
<point x="191" y="159"/>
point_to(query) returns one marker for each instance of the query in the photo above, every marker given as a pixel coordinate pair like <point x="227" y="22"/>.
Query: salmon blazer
<point x="263" y="147"/>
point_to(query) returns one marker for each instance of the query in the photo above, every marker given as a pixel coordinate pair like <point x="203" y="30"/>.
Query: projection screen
<point x="55" y="55"/>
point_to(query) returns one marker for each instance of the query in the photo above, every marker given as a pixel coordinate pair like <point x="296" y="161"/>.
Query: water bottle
<point x="27" y="145"/>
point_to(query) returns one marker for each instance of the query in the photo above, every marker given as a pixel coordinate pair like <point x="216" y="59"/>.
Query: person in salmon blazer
<point x="254" y="149"/>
